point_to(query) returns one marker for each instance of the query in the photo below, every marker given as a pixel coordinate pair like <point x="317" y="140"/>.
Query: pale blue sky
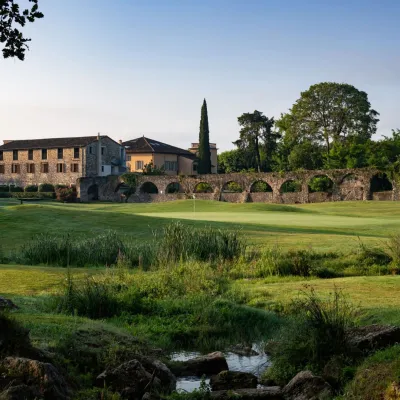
<point x="127" y="68"/>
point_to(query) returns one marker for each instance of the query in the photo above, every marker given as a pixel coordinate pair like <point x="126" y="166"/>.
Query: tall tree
<point x="256" y="135"/>
<point x="204" y="165"/>
<point x="329" y="113"/>
<point x="15" y="44"/>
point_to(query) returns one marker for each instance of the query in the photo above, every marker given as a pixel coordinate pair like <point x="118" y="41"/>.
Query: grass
<point x="328" y="226"/>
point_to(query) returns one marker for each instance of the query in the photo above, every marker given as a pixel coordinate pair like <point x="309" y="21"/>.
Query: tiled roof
<point x="49" y="143"/>
<point x="146" y="145"/>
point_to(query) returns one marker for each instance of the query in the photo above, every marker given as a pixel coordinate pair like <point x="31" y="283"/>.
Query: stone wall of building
<point x="356" y="188"/>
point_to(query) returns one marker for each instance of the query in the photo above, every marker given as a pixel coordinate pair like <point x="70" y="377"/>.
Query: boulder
<point x="209" y="364"/>
<point x="130" y="380"/>
<point x="40" y="377"/>
<point x="161" y="371"/>
<point x="226" y="380"/>
<point x="20" y="392"/>
<point x="268" y="393"/>
<point x="243" y="350"/>
<point x="6" y="304"/>
<point x="149" y="396"/>
<point x="306" y="386"/>
<point x="372" y="337"/>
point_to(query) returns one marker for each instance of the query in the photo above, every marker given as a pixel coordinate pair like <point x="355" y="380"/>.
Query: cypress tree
<point x="204" y="166"/>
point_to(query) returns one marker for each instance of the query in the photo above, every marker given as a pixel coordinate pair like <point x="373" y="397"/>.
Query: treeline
<point x="330" y="126"/>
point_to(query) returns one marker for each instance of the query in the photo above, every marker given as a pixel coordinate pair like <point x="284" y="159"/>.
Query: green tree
<point x="204" y="165"/>
<point x="257" y="137"/>
<point x="231" y="161"/>
<point x="329" y="113"/>
<point x="15" y="44"/>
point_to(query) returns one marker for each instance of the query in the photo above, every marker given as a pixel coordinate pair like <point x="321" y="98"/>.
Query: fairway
<point x="324" y="226"/>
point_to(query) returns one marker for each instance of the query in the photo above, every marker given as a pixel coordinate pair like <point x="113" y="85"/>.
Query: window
<point x="91" y="150"/>
<point x="102" y="168"/>
<point x="60" y="154"/>
<point x="74" y="167"/>
<point x="171" y="165"/>
<point x="139" y="165"/>
<point x="45" y="168"/>
<point x="1" y="155"/>
<point x="194" y="167"/>
<point x="44" y="154"/>
<point x="30" y="154"/>
<point x="30" y="168"/>
<point x="2" y="169"/>
<point x="15" y="168"/>
<point x="15" y="155"/>
<point x="128" y="158"/>
<point x="76" y="152"/>
<point x="60" y="167"/>
<point x="103" y="149"/>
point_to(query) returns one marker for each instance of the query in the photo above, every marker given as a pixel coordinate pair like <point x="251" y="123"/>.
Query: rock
<point x="392" y="392"/>
<point x="306" y="386"/>
<point x="226" y="380"/>
<point x="333" y="371"/>
<point x="40" y="377"/>
<point x="372" y="337"/>
<point x="149" y="396"/>
<point x="269" y="393"/>
<point x="243" y="350"/>
<point x="209" y="364"/>
<point x="20" y="392"/>
<point x="130" y="379"/>
<point x="6" y="304"/>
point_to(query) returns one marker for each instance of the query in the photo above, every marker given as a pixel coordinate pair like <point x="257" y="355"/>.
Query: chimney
<point x="120" y="141"/>
<point x="6" y="141"/>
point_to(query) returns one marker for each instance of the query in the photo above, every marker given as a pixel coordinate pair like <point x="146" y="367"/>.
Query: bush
<point x="203" y="187"/>
<point x="66" y="195"/>
<point x="46" y="188"/>
<point x="5" y="195"/>
<point x="261" y="187"/>
<point x="32" y="195"/>
<point x="233" y="187"/>
<point x="315" y="334"/>
<point x="393" y="249"/>
<point x="31" y="189"/>
<point x="16" y="189"/>
<point x="4" y="188"/>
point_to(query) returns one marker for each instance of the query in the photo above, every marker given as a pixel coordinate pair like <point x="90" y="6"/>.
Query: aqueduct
<point x="286" y="188"/>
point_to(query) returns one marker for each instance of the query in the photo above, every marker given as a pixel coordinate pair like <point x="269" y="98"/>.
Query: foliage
<point x="291" y="187"/>
<point x="203" y="393"/>
<point x="130" y="179"/>
<point x="233" y="187"/>
<point x="320" y="184"/>
<point x="204" y="154"/>
<point x="16" y="189"/>
<point x="151" y="169"/>
<point x="67" y="195"/>
<point x="31" y="188"/>
<point x="260" y="187"/>
<point x="203" y="187"/>
<point x="256" y="133"/>
<point x="232" y="161"/>
<point x="46" y="188"/>
<point x="393" y="251"/>
<point x="15" y="44"/>
<point x="315" y="335"/>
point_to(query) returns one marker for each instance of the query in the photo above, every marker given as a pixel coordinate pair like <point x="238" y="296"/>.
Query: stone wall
<point x="357" y="187"/>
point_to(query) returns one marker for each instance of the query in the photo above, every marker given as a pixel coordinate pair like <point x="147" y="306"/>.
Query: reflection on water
<point x="254" y="364"/>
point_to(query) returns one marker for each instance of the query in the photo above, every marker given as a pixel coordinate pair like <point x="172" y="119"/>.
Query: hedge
<point x="27" y="195"/>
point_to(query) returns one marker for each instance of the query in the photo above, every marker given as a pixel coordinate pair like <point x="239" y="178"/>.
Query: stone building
<point x="59" y="160"/>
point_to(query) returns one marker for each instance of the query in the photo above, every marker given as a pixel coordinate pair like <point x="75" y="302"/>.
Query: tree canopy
<point x="11" y="15"/>
<point x="204" y="155"/>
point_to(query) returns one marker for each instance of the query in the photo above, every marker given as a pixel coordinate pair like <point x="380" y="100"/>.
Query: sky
<point x="127" y="68"/>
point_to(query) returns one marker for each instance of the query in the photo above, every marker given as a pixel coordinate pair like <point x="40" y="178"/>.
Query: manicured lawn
<point x="327" y="226"/>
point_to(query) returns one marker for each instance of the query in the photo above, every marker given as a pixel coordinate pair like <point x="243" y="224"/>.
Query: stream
<point x="255" y="364"/>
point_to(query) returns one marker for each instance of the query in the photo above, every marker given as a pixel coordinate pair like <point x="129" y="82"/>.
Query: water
<point x="255" y="364"/>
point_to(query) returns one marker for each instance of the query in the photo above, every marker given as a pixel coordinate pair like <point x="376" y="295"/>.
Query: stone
<point x="130" y="380"/>
<point x="20" y="392"/>
<point x="306" y="386"/>
<point x="243" y="350"/>
<point x="6" y="304"/>
<point x="149" y="396"/>
<point x="373" y="337"/>
<point x="227" y="380"/>
<point x="41" y="377"/>
<point x="162" y="372"/>
<point x="268" y="393"/>
<point x="209" y="364"/>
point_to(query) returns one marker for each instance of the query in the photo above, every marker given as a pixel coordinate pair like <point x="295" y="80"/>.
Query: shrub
<point x="315" y="334"/>
<point x="393" y="249"/>
<point x="46" y="188"/>
<point x="233" y="187"/>
<point x="5" y="195"/>
<point x="203" y="187"/>
<point x="261" y="187"/>
<point x="32" y="195"/>
<point x="67" y="195"/>
<point x="31" y="189"/>
<point x="16" y="189"/>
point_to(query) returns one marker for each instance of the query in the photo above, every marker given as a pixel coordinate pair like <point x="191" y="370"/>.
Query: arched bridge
<point x="289" y="187"/>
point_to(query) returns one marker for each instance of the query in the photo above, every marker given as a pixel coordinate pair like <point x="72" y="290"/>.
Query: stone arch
<point x="93" y="192"/>
<point x="381" y="187"/>
<point x="232" y="187"/>
<point x="149" y="187"/>
<point x="260" y="186"/>
<point x="203" y="187"/>
<point x="122" y="188"/>
<point x="173" y="187"/>
<point x="320" y="188"/>
<point x="290" y="186"/>
<point x="351" y="187"/>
